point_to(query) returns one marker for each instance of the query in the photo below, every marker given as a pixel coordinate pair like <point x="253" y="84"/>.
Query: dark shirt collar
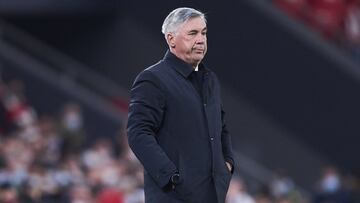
<point x="181" y="66"/>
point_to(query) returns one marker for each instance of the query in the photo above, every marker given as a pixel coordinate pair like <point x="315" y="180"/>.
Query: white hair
<point x="179" y="16"/>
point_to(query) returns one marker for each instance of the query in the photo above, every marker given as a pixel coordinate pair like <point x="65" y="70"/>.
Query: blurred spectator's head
<point x="81" y="194"/>
<point x="330" y="181"/>
<point x="237" y="192"/>
<point x="72" y="119"/>
<point x="8" y="194"/>
<point x="236" y="185"/>
<point x="281" y="185"/>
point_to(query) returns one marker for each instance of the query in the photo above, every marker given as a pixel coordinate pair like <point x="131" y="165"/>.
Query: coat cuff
<point x="163" y="176"/>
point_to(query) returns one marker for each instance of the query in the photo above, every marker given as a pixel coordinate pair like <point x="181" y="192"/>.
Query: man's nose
<point x="201" y="39"/>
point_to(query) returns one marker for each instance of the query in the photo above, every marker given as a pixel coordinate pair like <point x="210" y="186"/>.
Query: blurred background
<point x="290" y="75"/>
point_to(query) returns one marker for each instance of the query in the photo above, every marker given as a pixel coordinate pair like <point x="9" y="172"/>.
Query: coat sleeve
<point x="225" y="136"/>
<point x="226" y="142"/>
<point x="146" y="111"/>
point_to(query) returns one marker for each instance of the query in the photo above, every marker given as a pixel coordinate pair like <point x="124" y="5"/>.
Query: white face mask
<point x="72" y="121"/>
<point x="330" y="183"/>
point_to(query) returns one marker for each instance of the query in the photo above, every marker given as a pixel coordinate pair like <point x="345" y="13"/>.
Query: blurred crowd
<point x="336" y="20"/>
<point x="332" y="186"/>
<point x="49" y="159"/>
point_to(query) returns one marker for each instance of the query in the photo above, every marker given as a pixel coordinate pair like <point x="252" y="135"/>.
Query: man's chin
<point x="199" y="59"/>
<point x="199" y="55"/>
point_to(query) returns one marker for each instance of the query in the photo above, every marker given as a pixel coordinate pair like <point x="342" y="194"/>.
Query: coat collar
<point x="180" y="66"/>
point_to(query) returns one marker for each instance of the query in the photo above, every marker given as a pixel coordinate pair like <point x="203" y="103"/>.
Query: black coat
<point x="172" y="128"/>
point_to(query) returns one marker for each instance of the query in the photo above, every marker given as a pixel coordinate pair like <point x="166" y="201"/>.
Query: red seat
<point x="327" y="17"/>
<point x="294" y="8"/>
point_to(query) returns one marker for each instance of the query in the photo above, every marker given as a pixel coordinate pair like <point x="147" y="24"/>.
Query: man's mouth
<point x="199" y="50"/>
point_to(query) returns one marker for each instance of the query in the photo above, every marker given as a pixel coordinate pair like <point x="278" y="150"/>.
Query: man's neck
<point x="194" y="65"/>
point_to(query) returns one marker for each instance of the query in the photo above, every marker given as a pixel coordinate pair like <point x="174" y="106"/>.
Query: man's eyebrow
<point x="194" y="30"/>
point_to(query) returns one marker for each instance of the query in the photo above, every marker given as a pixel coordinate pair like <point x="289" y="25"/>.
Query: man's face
<point x="189" y="42"/>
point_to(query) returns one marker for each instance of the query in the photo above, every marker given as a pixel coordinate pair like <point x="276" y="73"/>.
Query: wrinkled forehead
<point x="195" y="23"/>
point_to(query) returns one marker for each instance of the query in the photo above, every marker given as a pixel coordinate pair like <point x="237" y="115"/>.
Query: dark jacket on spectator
<point x="171" y="127"/>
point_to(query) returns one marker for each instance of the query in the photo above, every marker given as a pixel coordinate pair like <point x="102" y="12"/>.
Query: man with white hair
<point x="176" y="123"/>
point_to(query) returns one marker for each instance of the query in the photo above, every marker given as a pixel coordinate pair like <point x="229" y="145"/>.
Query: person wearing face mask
<point x="176" y="124"/>
<point x="330" y="188"/>
<point x="72" y="129"/>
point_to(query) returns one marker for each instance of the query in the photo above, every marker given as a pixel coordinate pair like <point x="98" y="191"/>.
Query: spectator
<point x="8" y="194"/>
<point x="81" y="194"/>
<point x="237" y="192"/>
<point x="72" y="129"/>
<point x="33" y="171"/>
<point x="110" y="195"/>
<point x="330" y="188"/>
<point x="281" y="185"/>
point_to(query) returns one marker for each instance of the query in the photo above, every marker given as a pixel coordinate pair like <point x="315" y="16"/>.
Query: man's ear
<point x="170" y="38"/>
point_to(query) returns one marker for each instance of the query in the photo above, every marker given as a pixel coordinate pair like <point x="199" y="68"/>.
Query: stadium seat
<point x="327" y="17"/>
<point x="294" y="8"/>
